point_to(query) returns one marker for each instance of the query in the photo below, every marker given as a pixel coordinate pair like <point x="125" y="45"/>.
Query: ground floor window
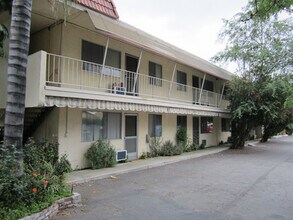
<point x="226" y="124"/>
<point x="98" y="125"/>
<point x="181" y="122"/>
<point x="155" y="125"/>
<point x="207" y="125"/>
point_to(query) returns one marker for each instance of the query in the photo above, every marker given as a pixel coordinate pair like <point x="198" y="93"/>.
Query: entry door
<point x="131" y="136"/>
<point x="131" y="78"/>
<point x="195" y="130"/>
<point x="195" y="82"/>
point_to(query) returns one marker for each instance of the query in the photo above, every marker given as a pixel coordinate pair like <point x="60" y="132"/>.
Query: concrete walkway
<point x="83" y="176"/>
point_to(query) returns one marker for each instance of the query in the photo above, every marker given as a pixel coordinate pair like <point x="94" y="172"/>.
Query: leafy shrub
<point x="170" y="149"/>
<point x="155" y="146"/>
<point x="62" y="165"/>
<point x="193" y="147"/>
<point x="11" y="187"/>
<point x="181" y="136"/>
<point x="40" y="185"/>
<point x="101" y="154"/>
<point x="35" y="152"/>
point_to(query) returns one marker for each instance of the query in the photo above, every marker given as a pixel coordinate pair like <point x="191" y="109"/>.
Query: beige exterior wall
<point x="215" y="137"/>
<point x="65" y="123"/>
<point x="48" y="40"/>
<point x="69" y="133"/>
<point x="67" y="39"/>
<point x="35" y="77"/>
<point x="169" y="127"/>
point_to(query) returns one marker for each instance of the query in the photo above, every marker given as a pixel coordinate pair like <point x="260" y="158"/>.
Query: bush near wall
<point x="41" y="184"/>
<point x="168" y="148"/>
<point x="101" y="154"/>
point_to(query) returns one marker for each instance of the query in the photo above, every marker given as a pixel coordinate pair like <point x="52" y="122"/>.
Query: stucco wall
<point x="71" y="47"/>
<point x="48" y="39"/>
<point x="69" y="134"/>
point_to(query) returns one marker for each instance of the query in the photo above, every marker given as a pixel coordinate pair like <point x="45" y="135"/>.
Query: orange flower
<point x="35" y="190"/>
<point x="46" y="182"/>
<point x="35" y="175"/>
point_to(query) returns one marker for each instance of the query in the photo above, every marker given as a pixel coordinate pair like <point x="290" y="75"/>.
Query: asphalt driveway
<point x="254" y="183"/>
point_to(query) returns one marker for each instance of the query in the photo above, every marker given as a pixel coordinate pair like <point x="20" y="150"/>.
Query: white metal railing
<point x="73" y="73"/>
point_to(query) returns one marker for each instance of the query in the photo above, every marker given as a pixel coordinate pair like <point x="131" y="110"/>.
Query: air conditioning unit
<point x="121" y="155"/>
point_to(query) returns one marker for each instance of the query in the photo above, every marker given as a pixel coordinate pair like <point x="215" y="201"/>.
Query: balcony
<point x="65" y="73"/>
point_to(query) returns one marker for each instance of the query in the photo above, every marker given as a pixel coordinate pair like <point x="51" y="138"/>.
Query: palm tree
<point x="16" y="79"/>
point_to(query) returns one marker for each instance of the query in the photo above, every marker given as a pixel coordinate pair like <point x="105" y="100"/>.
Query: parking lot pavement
<point x="254" y="183"/>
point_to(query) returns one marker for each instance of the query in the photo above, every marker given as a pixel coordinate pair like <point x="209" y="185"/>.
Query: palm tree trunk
<point x="16" y="85"/>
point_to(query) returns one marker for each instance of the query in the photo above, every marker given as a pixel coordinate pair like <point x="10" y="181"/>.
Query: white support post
<point x="203" y="81"/>
<point x="104" y="60"/>
<point x="137" y="69"/>
<point x="222" y="92"/>
<point x="171" y="84"/>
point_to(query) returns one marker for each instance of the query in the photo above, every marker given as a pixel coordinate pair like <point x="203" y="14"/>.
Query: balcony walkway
<point x="77" y="75"/>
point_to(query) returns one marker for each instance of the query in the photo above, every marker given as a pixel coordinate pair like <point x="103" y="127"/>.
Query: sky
<point x="192" y="25"/>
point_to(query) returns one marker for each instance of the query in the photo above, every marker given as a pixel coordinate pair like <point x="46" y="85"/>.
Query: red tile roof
<point x="106" y="7"/>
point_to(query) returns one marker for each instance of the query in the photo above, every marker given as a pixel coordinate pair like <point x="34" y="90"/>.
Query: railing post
<point x="222" y="92"/>
<point x="200" y="94"/>
<point x="137" y="69"/>
<point x="171" y="83"/>
<point x="104" y="61"/>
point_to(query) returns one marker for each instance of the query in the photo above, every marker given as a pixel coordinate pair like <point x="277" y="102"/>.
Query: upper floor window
<point x="181" y="80"/>
<point x="208" y="85"/>
<point x="155" y="71"/>
<point x="155" y="125"/>
<point x="94" y="54"/>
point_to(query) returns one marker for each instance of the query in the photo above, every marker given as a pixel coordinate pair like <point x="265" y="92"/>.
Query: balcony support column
<point x="200" y="94"/>
<point x="171" y="83"/>
<point x="222" y="92"/>
<point x="104" y="60"/>
<point x="137" y="69"/>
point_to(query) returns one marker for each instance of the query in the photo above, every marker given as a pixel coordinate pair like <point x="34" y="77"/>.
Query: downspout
<point x="137" y="69"/>
<point x="203" y="81"/>
<point x="104" y="61"/>
<point x="171" y="84"/>
<point x="66" y="122"/>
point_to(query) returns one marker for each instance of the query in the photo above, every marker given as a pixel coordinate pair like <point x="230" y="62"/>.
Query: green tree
<point x="17" y="63"/>
<point x="263" y="50"/>
<point x="259" y="48"/>
<point x="276" y="96"/>
<point x="264" y="9"/>
<point x="16" y="79"/>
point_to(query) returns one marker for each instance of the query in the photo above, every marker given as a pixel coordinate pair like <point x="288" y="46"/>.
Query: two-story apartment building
<point x="94" y="76"/>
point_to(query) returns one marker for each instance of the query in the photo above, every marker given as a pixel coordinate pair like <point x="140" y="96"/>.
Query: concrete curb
<point x="83" y="176"/>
